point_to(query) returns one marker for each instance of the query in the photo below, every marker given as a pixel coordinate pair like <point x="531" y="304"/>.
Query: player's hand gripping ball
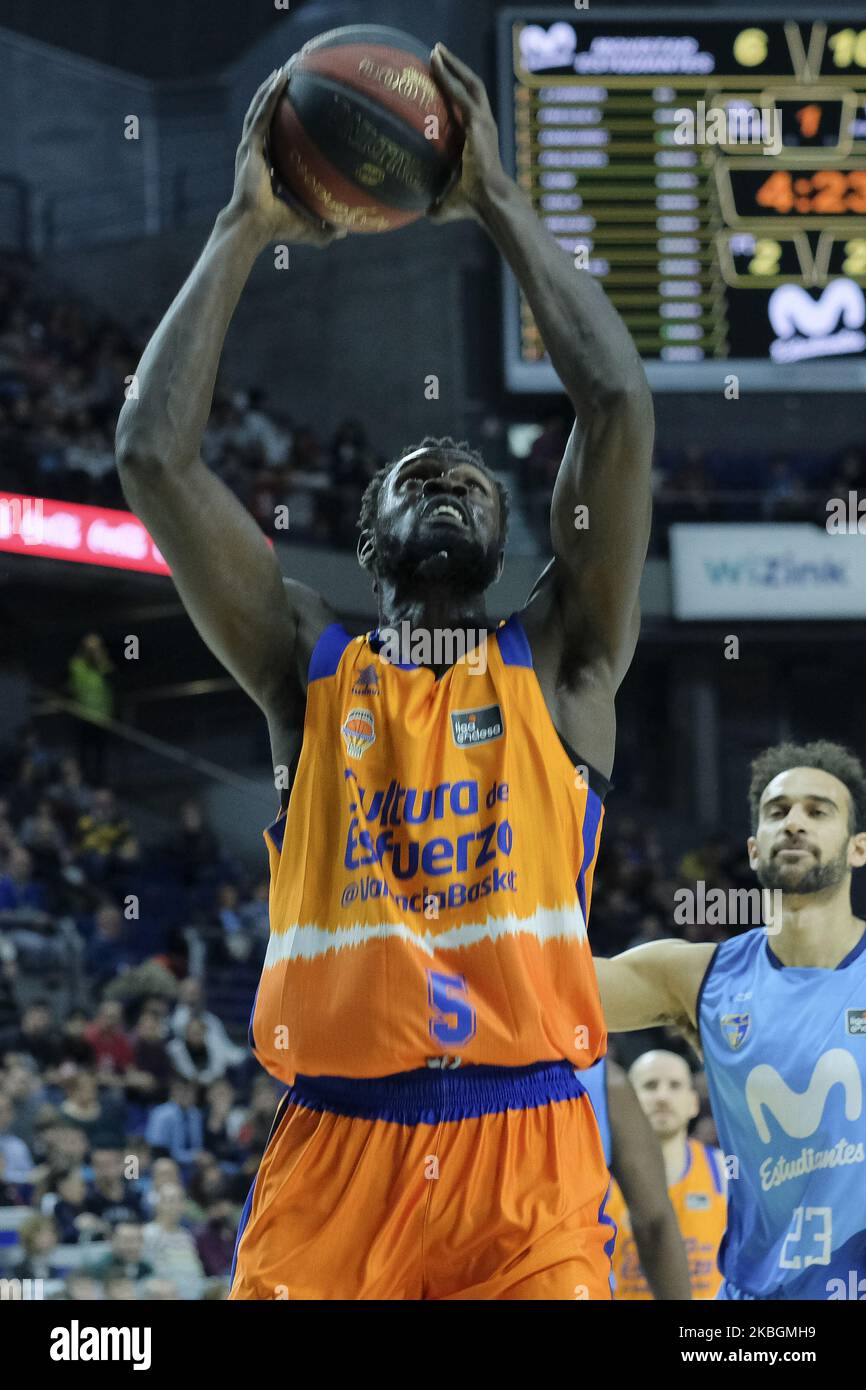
<point x="253" y="195"/>
<point x="481" y="167"/>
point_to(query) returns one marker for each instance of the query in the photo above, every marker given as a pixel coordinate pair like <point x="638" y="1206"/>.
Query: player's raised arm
<point x="638" y="1166"/>
<point x="583" y="617"/>
<point x="260" y="627"/>
<point x="653" y="985"/>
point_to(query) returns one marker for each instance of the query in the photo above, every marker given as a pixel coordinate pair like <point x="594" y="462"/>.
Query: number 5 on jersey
<point x="452" y="1017"/>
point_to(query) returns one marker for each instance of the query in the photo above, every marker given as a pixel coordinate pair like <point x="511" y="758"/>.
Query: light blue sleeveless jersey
<point x="785" y="1055"/>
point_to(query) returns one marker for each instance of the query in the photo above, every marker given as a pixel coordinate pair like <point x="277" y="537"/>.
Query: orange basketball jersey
<point x="431" y="879"/>
<point x="698" y="1199"/>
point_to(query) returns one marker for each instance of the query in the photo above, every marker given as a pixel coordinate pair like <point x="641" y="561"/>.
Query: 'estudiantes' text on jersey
<point x="431" y="880"/>
<point x="785" y="1055"/>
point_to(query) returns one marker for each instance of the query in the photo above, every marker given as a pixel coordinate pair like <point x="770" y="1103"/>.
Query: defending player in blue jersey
<point x="780" y="1012"/>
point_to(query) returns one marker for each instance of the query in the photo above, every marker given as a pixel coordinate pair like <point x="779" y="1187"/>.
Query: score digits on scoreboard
<point x="711" y="173"/>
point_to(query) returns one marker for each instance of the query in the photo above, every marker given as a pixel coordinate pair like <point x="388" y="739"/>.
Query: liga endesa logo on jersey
<point x="698" y="1201"/>
<point x="472" y="726"/>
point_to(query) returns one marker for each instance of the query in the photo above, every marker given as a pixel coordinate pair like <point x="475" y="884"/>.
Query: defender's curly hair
<point x="827" y="757"/>
<point x="445" y="445"/>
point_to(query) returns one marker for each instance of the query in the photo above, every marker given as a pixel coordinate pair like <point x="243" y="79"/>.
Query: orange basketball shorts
<point x="478" y="1183"/>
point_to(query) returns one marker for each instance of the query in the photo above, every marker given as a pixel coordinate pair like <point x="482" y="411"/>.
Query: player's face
<point x="663" y="1086"/>
<point x="803" y="836"/>
<point x="439" y="517"/>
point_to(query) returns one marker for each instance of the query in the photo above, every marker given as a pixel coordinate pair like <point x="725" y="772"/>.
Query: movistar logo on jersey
<point x="736" y="1028"/>
<point x="799" y="1113"/>
<point x="473" y="726"/>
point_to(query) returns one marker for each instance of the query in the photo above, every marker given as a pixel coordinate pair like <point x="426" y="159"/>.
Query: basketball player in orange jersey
<point x="428" y="989"/>
<point x="634" y="1157"/>
<point x="695" y="1179"/>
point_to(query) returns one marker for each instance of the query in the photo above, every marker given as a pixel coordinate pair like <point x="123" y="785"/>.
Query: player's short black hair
<point x="446" y="446"/>
<point x="827" y="757"/>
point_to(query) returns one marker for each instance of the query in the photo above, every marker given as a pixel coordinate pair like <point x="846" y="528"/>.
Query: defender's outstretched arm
<point x="652" y="986"/>
<point x="260" y="627"/>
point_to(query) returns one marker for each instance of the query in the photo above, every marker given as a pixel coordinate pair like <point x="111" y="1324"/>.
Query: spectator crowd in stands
<point x="63" y="370"/>
<point x="706" y="485"/>
<point x="64" y="367"/>
<point x="132" y="1119"/>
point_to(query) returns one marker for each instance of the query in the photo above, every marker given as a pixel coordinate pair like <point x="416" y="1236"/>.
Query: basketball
<point x="363" y="136"/>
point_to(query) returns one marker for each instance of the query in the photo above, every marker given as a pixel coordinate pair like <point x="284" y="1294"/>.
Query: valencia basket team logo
<point x="359" y="732"/>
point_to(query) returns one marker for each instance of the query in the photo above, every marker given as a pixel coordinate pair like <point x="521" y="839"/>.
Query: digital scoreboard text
<point x="711" y="173"/>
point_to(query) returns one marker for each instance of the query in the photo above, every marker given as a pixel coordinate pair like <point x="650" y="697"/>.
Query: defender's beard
<point x="791" y="878"/>
<point x="454" y="561"/>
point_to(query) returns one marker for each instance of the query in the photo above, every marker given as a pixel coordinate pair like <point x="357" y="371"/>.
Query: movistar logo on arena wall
<point x="823" y="327"/>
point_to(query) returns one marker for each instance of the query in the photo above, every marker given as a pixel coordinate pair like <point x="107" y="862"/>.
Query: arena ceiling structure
<point x="162" y="40"/>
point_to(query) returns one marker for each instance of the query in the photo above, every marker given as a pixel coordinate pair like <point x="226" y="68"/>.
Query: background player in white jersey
<point x="781" y="1017"/>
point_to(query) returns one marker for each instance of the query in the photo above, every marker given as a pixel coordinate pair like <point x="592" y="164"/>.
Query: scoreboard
<point x="710" y="172"/>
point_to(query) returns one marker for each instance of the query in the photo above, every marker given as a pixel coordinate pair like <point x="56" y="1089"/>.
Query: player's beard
<point x="454" y="562"/>
<point x="665" y="1126"/>
<point x="790" y="878"/>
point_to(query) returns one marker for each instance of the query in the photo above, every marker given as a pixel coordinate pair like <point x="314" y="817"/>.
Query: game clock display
<point x="710" y="172"/>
